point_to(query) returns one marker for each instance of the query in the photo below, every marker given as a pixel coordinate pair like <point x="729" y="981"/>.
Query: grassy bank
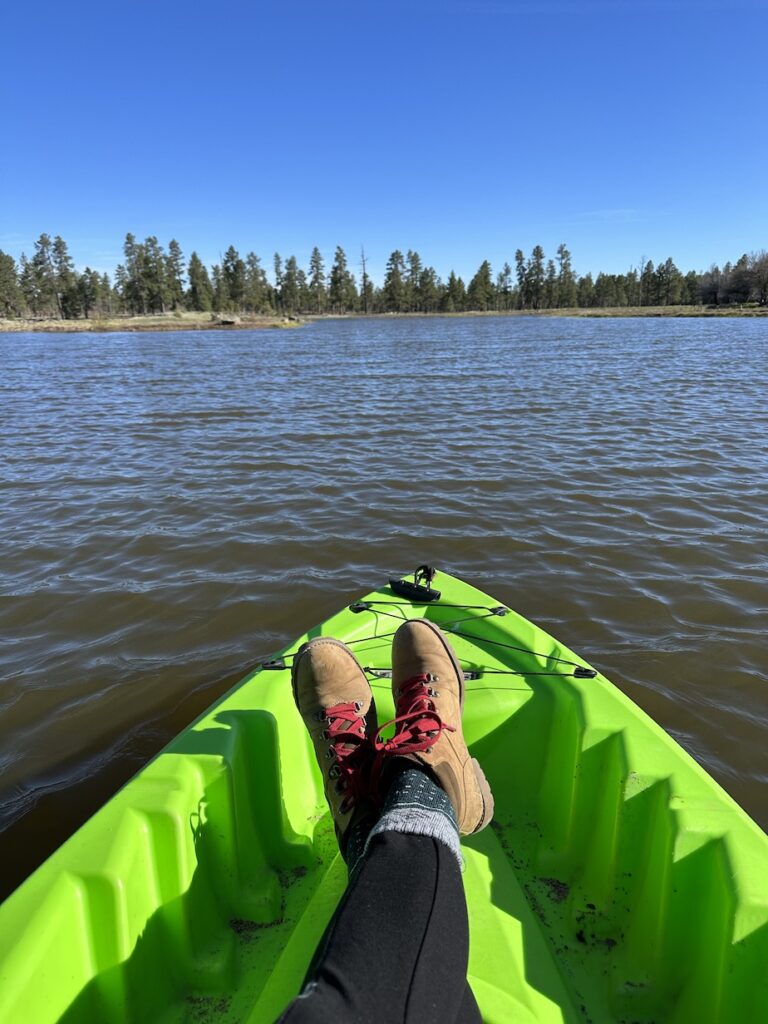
<point x="160" y="322"/>
<point x="654" y="311"/>
<point x="608" y="311"/>
<point x="206" y="321"/>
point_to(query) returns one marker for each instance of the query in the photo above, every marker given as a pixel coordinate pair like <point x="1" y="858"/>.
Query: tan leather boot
<point x="334" y="698"/>
<point x="428" y="688"/>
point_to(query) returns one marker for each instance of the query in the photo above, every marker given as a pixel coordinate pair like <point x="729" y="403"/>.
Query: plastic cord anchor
<point x="584" y="673"/>
<point x="273" y="665"/>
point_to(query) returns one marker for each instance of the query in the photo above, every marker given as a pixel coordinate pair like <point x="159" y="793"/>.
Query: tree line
<point x="154" y="279"/>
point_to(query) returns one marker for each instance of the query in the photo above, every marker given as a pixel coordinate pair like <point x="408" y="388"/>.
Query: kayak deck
<point x="617" y="881"/>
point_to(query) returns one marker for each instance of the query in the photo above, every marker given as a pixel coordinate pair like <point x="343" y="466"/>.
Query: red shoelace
<point x="418" y="726"/>
<point x="350" y="748"/>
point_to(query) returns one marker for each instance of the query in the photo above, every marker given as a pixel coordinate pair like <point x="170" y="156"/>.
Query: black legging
<point x="397" y="947"/>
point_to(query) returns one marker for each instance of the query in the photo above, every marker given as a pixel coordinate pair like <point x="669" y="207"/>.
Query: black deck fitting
<point x="273" y="665"/>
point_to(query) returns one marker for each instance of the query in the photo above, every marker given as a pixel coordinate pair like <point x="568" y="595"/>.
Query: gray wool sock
<point x="416" y="805"/>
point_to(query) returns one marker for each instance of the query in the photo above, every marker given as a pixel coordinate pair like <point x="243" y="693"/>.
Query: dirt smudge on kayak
<point x="247" y="929"/>
<point x="207" y="1008"/>
<point x="556" y="890"/>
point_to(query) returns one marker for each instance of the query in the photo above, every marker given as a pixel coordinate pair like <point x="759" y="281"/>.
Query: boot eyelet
<point x="358" y="705"/>
<point x="329" y="753"/>
<point x="334" y="772"/>
<point x="428" y="750"/>
<point x="324" y="734"/>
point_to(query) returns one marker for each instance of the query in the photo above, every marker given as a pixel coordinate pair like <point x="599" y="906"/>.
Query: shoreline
<point x="204" y="322"/>
<point x="151" y="322"/>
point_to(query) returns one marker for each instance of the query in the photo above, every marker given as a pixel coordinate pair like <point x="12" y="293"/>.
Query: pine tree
<point x="155" y="276"/>
<point x="566" y="281"/>
<point x="585" y="292"/>
<point x="44" y="292"/>
<point x="429" y="290"/>
<point x="366" y="286"/>
<point x="342" y="290"/>
<point x="534" y="277"/>
<point x="504" y="288"/>
<point x="455" y="296"/>
<point x="412" y="298"/>
<point x="256" y="285"/>
<point x="200" y="292"/>
<point x="648" y="284"/>
<point x="305" y="296"/>
<point x="691" y="295"/>
<point x="106" y="295"/>
<point x="604" y="294"/>
<point x="758" y="269"/>
<point x="520" y="273"/>
<point x="740" y="283"/>
<point x="277" y="263"/>
<point x="550" y="286"/>
<point x="291" y="285"/>
<point x="133" y="279"/>
<point x="67" y="291"/>
<point x="11" y="296"/>
<point x="221" y="300"/>
<point x="724" y="284"/>
<point x="174" y="273"/>
<point x="480" y="290"/>
<point x="394" y="284"/>
<point x="233" y="279"/>
<point x="670" y="283"/>
<point x="632" y="286"/>
<point x="121" y="287"/>
<point x="89" y="288"/>
<point x="316" y="285"/>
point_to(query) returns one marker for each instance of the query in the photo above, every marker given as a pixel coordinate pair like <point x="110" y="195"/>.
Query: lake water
<point x="174" y="507"/>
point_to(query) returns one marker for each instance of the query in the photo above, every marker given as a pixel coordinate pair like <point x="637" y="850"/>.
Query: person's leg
<point x="397" y="947"/>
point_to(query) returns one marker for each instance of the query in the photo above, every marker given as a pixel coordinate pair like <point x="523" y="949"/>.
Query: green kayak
<point x="618" y="882"/>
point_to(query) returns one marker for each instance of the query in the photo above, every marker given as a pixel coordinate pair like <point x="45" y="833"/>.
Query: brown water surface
<point x="174" y="507"/>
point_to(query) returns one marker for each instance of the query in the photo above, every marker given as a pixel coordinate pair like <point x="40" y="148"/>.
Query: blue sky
<point x="464" y="130"/>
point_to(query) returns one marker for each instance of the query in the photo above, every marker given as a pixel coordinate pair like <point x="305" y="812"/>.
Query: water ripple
<point x="175" y="506"/>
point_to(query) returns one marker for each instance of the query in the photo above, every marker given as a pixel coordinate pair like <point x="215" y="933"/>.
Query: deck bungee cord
<point x="495" y="611"/>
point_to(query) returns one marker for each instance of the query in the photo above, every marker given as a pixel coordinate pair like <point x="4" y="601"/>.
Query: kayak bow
<point x="618" y="882"/>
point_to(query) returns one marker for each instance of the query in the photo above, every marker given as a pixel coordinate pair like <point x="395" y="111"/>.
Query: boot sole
<point x="486" y="794"/>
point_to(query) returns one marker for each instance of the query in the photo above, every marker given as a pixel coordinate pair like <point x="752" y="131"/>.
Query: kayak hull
<point x="616" y="882"/>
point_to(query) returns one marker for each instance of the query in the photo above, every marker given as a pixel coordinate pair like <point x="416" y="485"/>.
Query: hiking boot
<point x="428" y="689"/>
<point x="334" y="698"/>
